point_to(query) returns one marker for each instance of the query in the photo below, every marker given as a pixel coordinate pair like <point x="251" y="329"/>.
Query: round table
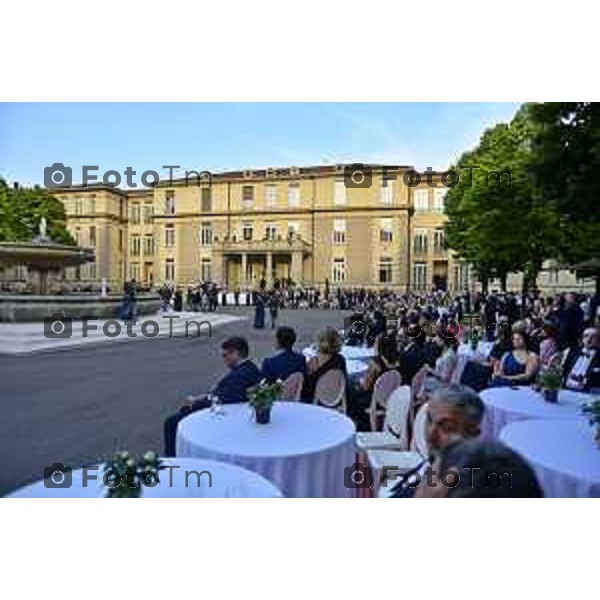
<point x="562" y="453"/>
<point x="504" y="405"/>
<point x="303" y="450"/>
<point x="181" y="478"/>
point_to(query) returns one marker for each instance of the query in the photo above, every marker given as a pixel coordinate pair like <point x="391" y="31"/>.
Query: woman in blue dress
<point x="517" y="367"/>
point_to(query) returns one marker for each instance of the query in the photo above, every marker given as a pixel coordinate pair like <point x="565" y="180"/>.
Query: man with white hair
<point x="454" y="413"/>
<point x="581" y="367"/>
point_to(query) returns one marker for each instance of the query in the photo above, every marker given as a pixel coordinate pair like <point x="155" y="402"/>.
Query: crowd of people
<point x="412" y="334"/>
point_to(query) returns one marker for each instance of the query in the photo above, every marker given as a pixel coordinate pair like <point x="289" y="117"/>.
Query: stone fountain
<point x="44" y="257"/>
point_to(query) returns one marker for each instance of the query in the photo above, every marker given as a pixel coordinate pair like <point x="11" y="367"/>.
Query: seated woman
<point x="549" y="344"/>
<point x="446" y="362"/>
<point x="328" y="358"/>
<point x="517" y="367"/>
<point x="387" y="359"/>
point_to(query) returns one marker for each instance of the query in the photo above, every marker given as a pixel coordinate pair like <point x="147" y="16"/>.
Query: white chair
<point x="400" y="463"/>
<point x="292" y="386"/>
<point x="395" y="427"/>
<point x="330" y="390"/>
<point x="384" y="386"/>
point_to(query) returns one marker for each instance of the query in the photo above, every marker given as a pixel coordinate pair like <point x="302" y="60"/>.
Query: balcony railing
<point x="276" y="244"/>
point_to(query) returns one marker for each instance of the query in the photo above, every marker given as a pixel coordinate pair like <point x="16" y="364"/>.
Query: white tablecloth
<point x="504" y="405"/>
<point x="348" y="352"/>
<point x="356" y="368"/>
<point x="483" y="350"/>
<point x="303" y="450"/>
<point x="214" y="480"/>
<point x="562" y="453"/>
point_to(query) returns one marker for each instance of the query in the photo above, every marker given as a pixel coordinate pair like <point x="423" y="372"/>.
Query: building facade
<point x="309" y="225"/>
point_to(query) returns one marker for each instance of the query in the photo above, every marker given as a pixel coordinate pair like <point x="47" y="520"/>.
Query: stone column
<point x="244" y="273"/>
<point x="296" y="273"/>
<point x="269" y="274"/>
<point x="218" y="274"/>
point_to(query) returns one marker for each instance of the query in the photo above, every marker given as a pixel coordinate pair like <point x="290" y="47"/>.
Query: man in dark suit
<point x="581" y="367"/>
<point x="286" y="361"/>
<point x="231" y="389"/>
<point x="570" y="322"/>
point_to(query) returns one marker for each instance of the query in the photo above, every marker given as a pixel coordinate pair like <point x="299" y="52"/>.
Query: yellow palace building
<point x="307" y="224"/>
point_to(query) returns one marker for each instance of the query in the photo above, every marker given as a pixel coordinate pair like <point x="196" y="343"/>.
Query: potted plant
<point x="261" y="398"/>
<point x="125" y="476"/>
<point x="550" y="381"/>
<point x="592" y="410"/>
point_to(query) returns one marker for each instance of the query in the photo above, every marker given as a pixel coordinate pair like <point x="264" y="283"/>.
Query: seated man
<point x="480" y="469"/>
<point x="581" y="367"/>
<point x="231" y="389"/>
<point x="454" y="413"/>
<point x="286" y="362"/>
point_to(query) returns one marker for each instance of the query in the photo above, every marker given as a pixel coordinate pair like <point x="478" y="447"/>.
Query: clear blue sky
<point x="226" y="136"/>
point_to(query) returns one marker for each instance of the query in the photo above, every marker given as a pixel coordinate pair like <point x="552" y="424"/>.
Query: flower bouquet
<point x="592" y="411"/>
<point x="261" y="398"/>
<point x="124" y="475"/>
<point x="474" y="338"/>
<point x="550" y="381"/>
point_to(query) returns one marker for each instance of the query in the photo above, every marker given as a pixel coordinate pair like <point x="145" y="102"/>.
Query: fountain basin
<point x="30" y="308"/>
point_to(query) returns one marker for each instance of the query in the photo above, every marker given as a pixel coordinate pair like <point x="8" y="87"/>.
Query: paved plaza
<point x="78" y="405"/>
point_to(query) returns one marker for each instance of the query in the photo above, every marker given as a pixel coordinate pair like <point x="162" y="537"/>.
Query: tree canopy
<point x="21" y="210"/>
<point x="546" y="210"/>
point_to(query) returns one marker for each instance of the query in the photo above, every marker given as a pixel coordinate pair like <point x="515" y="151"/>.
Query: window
<point x="147" y="214"/>
<point x="247" y="232"/>
<point x="339" y="231"/>
<point x="169" y="236"/>
<point x="339" y="193"/>
<point x="206" y="270"/>
<point x="247" y="196"/>
<point x="206" y="234"/>
<point x="169" y="269"/>
<point x="438" y="240"/>
<point x="439" y="196"/>
<point x="385" y="231"/>
<point x="91" y="205"/>
<point x="206" y="199"/>
<point x="135" y="245"/>
<point x="294" y="195"/>
<point x="92" y="270"/>
<point x="385" y="270"/>
<point x="135" y="214"/>
<point x="148" y="244"/>
<point x="420" y="241"/>
<point x="77" y="236"/>
<point x="421" y="200"/>
<point x="293" y="228"/>
<point x="92" y="236"/>
<point x="339" y="270"/>
<point x="419" y="276"/>
<point x="387" y="191"/>
<point x="120" y="240"/>
<point x="134" y="271"/>
<point x="553" y="276"/>
<point x="270" y="231"/>
<point x="170" y="202"/>
<point x="77" y="206"/>
<point x="271" y="195"/>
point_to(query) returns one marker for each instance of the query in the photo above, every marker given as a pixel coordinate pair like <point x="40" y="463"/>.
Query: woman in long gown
<point x="259" y="311"/>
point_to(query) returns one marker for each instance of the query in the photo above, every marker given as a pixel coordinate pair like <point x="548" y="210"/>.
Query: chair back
<point x="396" y="414"/>
<point x="330" y="390"/>
<point x="292" y="386"/>
<point x="384" y="386"/>
<point x="417" y="386"/>
<point x="419" y="439"/>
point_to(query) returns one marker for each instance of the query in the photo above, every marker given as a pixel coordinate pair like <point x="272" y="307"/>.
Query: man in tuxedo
<point x="231" y="389"/>
<point x="570" y="322"/>
<point x="454" y="413"/>
<point x="286" y="361"/>
<point x="581" y="367"/>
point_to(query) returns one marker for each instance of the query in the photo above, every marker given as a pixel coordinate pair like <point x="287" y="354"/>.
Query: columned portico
<point x="246" y="262"/>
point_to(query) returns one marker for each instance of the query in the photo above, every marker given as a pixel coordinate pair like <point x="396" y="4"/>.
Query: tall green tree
<point x="495" y="219"/>
<point x="21" y="210"/>
<point x="565" y="164"/>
